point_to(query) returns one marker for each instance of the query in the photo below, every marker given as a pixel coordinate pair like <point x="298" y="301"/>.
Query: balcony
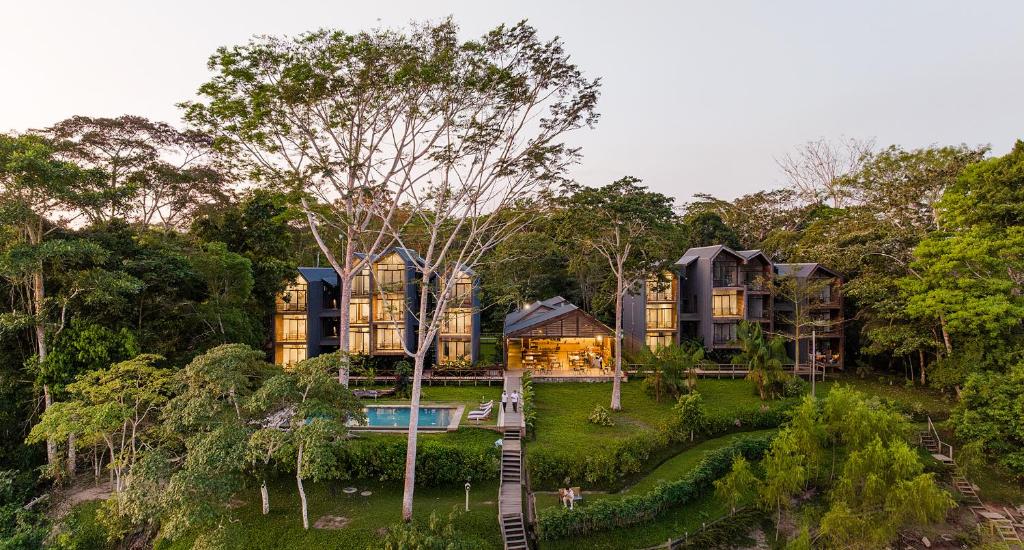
<point x="283" y="306"/>
<point x="724" y="281"/>
<point x="292" y="337"/>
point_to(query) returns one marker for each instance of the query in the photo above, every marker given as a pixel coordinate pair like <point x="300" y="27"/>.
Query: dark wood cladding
<point x="574" y="324"/>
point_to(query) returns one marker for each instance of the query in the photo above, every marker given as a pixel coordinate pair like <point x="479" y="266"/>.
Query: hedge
<point x="557" y="522"/>
<point x="550" y="467"/>
<point x="441" y="460"/>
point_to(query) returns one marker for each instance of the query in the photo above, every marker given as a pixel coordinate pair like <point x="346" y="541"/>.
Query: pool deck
<point x="453" y="424"/>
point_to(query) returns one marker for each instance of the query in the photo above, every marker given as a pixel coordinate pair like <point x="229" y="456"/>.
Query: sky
<point x="697" y="97"/>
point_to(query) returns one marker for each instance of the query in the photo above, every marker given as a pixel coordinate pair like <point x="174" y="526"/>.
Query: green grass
<point x="915" y="397"/>
<point x="563" y="408"/>
<point x="469" y="396"/>
<point x="282" y="528"/>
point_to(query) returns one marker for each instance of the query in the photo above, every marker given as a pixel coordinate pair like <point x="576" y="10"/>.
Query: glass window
<point x="724" y="273"/>
<point x="660" y="340"/>
<point x="661" y="316"/>
<point x="389" y="338"/>
<point x="293" y="298"/>
<point x="389" y="273"/>
<point x="455" y="350"/>
<point x="361" y="283"/>
<point x="389" y="307"/>
<point x="458" y="321"/>
<point x="359" y="340"/>
<point x="463" y="289"/>
<point x="726" y="303"/>
<point x="292" y="328"/>
<point x="291" y="354"/>
<point x="661" y="289"/>
<point x="359" y="310"/>
<point x="725" y="333"/>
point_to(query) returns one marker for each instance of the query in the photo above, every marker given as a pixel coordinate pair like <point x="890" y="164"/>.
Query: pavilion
<point x="555" y="337"/>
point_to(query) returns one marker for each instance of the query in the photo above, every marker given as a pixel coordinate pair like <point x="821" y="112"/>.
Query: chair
<point x="483" y="412"/>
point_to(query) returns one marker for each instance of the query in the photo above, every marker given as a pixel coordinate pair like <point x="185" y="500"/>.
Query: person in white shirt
<point x="572" y="498"/>
<point x="515" y="400"/>
<point x="504" y="401"/>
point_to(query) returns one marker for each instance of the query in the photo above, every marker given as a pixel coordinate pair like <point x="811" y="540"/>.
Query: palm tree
<point x="762" y="356"/>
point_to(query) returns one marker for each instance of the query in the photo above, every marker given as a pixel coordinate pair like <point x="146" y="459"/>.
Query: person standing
<point x="515" y="400"/>
<point x="504" y="401"/>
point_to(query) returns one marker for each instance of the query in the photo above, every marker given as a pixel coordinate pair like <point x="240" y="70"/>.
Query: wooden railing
<point x="944" y="448"/>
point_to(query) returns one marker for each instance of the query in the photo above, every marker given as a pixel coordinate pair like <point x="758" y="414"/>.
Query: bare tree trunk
<point x="344" y="322"/>
<point x="945" y="335"/>
<point x="616" y="404"/>
<point x="265" y="497"/>
<point x="302" y="490"/>
<point x="51" y="444"/>
<point x="38" y="298"/>
<point x="410" y="449"/>
<point x="72" y="455"/>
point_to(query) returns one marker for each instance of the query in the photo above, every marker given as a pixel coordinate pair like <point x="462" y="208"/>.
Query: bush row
<point x="557" y="522"/>
<point x="441" y="460"/>
<point x="551" y="467"/>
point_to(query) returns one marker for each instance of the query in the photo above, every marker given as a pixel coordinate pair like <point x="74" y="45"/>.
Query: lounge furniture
<point x="373" y="393"/>
<point x="577" y="494"/>
<point x="483" y="412"/>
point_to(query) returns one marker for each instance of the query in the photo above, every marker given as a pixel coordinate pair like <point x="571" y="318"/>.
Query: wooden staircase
<point x="1000" y="523"/>
<point x="510" y="495"/>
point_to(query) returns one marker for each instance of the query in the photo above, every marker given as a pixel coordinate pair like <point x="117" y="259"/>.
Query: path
<point x="510" y="491"/>
<point x="999" y="523"/>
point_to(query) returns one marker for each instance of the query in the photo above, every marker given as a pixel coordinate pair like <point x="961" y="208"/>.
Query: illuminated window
<point x="291" y="328"/>
<point x="458" y="321"/>
<point x="463" y="289"/>
<point x="389" y="338"/>
<point x="661" y="289"/>
<point x="660" y="340"/>
<point x="661" y="316"/>
<point x="359" y="340"/>
<point x="389" y="273"/>
<point x="359" y="310"/>
<point x="361" y="283"/>
<point x="389" y="307"/>
<point x="455" y="350"/>
<point x="292" y="354"/>
<point x="726" y="303"/>
<point x="293" y="298"/>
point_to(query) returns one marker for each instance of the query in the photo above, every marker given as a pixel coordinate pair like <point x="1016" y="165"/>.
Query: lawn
<point x="282" y="528"/>
<point x="469" y="396"/>
<point x="915" y="398"/>
<point x="563" y="408"/>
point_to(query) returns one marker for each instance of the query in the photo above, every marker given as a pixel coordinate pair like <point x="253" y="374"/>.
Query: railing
<point x="938" y="442"/>
<point x="292" y="337"/>
<point x="728" y="281"/>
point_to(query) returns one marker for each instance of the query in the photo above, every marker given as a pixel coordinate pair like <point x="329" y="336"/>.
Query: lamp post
<point x="467" y="496"/>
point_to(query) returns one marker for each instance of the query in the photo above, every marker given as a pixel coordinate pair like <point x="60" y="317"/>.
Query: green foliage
<point x="600" y="417"/>
<point x="437" y="534"/>
<point x="691" y="417"/>
<point x="528" y="404"/>
<point x="673" y="370"/>
<point x="763" y="358"/>
<point x="738" y="486"/>
<point x="989" y="414"/>
<point x="784" y="473"/>
<point x="556" y="522"/>
<point x="440" y="461"/>
<point x="403" y="378"/>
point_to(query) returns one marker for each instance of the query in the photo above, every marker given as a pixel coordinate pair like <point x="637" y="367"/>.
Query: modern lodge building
<point x="307" y="319"/>
<point x="711" y="289"/>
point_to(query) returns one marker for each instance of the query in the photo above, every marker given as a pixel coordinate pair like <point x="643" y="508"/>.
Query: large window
<point x="726" y="303"/>
<point x="463" y="289"/>
<point x="292" y="328"/>
<point x="361" y="283"/>
<point x="724" y="273"/>
<point x="291" y="354"/>
<point x="293" y="298"/>
<point x="661" y="289"/>
<point x="458" y="321"/>
<point x="725" y="333"/>
<point x="359" y="311"/>
<point x="389" y="338"/>
<point x="359" y="340"/>
<point x="389" y="307"/>
<point x="661" y="316"/>
<point x="824" y="294"/>
<point x="454" y="350"/>
<point x="659" y="340"/>
<point x="389" y="273"/>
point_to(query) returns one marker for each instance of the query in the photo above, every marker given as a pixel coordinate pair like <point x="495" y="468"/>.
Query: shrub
<point x="440" y="460"/>
<point x="529" y="407"/>
<point x="600" y="417"/>
<point x="794" y="386"/>
<point x="557" y="522"/>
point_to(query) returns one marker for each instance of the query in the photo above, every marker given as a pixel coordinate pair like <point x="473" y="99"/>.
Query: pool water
<point x="398" y="417"/>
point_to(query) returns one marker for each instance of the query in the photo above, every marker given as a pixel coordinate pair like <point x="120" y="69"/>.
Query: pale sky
<point x="697" y="96"/>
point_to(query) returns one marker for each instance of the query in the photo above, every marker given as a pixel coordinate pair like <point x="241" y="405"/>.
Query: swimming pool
<point x="396" y="417"/>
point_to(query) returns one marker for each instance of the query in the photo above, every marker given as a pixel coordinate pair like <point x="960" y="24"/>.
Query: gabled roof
<point x="316" y="274"/>
<point x="707" y="252"/>
<point x="408" y="255"/>
<point x="751" y="254"/>
<point x="547" y="311"/>
<point x="804" y="270"/>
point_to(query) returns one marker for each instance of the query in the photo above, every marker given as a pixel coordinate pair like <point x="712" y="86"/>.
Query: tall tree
<point x="630" y="228"/>
<point x="153" y="173"/>
<point x="762" y="356"/>
<point x="819" y="169"/>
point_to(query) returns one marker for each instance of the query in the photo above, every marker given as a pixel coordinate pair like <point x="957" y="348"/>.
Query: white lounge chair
<point x="483" y="412"/>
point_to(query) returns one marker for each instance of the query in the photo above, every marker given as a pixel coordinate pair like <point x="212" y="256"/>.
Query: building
<point x="307" y="320"/>
<point x="711" y="289"/>
<point x="557" y="337"/>
<point x="822" y="313"/>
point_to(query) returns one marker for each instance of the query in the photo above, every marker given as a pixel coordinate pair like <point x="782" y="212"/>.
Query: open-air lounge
<point x="554" y="338"/>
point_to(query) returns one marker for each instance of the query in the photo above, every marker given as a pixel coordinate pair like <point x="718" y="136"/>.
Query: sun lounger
<point x="483" y="412"/>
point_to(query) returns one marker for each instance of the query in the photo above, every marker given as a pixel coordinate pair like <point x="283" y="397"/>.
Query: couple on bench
<point x="569" y="497"/>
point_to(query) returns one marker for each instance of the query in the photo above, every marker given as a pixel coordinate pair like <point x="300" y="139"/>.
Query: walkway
<point x="999" y="523"/>
<point x="510" y="492"/>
